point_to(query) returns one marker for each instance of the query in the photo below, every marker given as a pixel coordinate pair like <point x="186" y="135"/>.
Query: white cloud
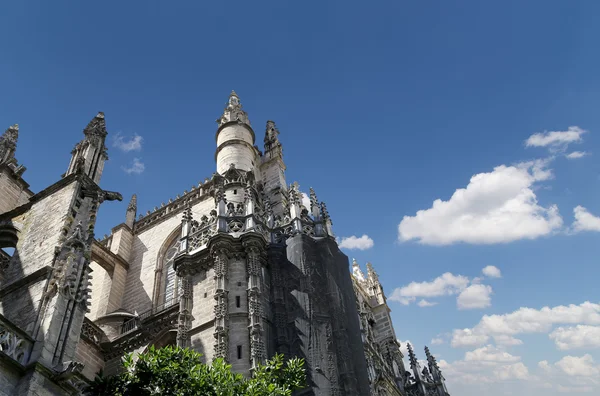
<point x="425" y="303"/>
<point x="127" y="145"/>
<point x="136" y="167"/>
<point x="576" y="155"/>
<point x="505" y="340"/>
<point x="495" y="207"/>
<point x="544" y="365"/>
<point x="575" y="366"/>
<point x="491" y="272"/>
<point x="467" y="338"/>
<point x="526" y="320"/>
<point x="490" y="353"/>
<point x="446" y="284"/>
<point x="437" y="341"/>
<point x="556" y="140"/>
<point x="584" y="220"/>
<point x="474" y="296"/>
<point x="512" y="371"/>
<point x="580" y="336"/>
<point x="361" y="243"/>
<point x="481" y="367"/>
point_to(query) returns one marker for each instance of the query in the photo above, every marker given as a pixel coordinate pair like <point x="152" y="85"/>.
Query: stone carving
<point x="91" y="332"/>
<point x="221" y="331"/>
<point x="185" y="312"/>
<point x="13" y="345"/>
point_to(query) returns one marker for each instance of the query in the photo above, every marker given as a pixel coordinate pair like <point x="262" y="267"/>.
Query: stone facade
<point x="236" y="267"/>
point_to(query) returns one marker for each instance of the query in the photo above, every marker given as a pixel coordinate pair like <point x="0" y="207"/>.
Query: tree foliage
<point x="174" y="371"/>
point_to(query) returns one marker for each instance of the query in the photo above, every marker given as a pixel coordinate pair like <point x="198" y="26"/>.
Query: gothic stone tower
<point x="235" y="267"/>
<point x="280" y="282"/>
<point x="44" y="287"/>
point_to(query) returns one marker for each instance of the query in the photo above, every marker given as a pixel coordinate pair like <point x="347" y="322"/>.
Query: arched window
<point x="171" y="281"/>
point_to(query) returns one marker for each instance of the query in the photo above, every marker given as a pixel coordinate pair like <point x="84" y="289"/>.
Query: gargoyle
<point x="109" y="196"/>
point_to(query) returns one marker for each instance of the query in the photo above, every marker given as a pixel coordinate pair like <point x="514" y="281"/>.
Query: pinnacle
<point x="100" y="115"/>
<point x="132" y="203"/>
<point x="233" y="93"/>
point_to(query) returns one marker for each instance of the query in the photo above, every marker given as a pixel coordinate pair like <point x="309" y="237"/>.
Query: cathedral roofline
<point x="174" y="207"/>
<point x="40" y="195"/>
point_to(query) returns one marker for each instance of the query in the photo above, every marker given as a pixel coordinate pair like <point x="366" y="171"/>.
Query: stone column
<point x="221" y="261"/>
<point x="255" y="326"/>
<point x="185" y="312"/>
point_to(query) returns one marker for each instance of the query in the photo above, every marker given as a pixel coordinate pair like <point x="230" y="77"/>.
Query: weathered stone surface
<point x="237" y="268"/>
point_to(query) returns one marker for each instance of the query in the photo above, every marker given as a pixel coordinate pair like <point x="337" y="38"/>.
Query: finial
<point x="411" y="356"/>
<point x="132" y="203"/>
<point x="431" y="360"/>
<point x="356" y="271"/>
<point x="187" y="214"/>
<point x="233" y="111"/>
<point x="97" y="126"/>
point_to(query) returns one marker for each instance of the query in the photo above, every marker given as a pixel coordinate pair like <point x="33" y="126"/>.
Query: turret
<point x="272" y="169"/>
<point x="235" y="139"/>
<point x="89" y="155"/>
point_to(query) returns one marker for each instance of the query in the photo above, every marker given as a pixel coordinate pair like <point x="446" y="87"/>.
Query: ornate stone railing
<point x="175" y="206"/>
<point x="14" y="343"/>
<point x="91" y="332"/>
<point x="134" y="323"/>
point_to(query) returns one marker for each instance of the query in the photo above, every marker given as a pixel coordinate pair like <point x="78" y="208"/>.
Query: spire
<point x="436" y="373"/>
<point x="8" y="144"/>
<point x="89" y="154"/>
<point x="233" y="111"/>
<point x="373" y="277"/>
<point x="411" y="357"/>
<point x="96" y="127"/>
<point x="132" y="203"/>
<point x="315" y="206"/>
<point x="357" y="272"/>
<point x="273" y="147"/>
<point x="131" y="211"/>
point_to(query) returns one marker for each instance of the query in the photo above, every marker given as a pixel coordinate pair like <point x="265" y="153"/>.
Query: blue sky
<point x="383" y="108"/>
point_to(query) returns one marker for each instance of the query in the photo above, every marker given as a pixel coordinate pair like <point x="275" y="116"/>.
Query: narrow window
<point x="239" y="350"/>
<point x="234" y="192"/>
<point x="239" y="283"/>
<point x="205" y="295"/>
<point x="237" y="301"/>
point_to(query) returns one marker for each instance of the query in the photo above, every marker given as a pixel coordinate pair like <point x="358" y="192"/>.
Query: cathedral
<point x="241" y="266"/>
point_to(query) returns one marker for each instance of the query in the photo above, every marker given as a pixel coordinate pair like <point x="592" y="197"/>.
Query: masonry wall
<point x="13" y="190"/>
<point x="147" y="245"/>
<point x="9" y="378"/>
<point x="203" y="303"/>
<point x="238" y="316"/>
<point x="100" y="286"/>
<point x="90" y="356"/>
<point x="39" y="232"/>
